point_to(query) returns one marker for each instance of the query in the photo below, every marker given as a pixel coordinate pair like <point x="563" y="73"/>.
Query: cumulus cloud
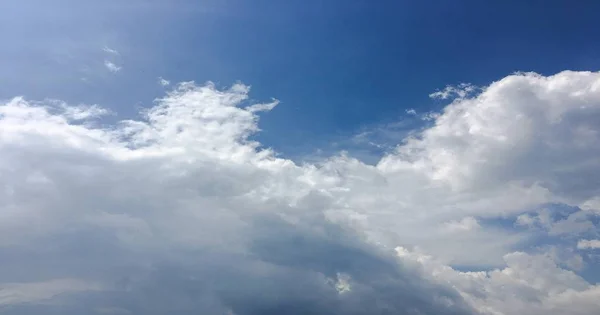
<point x="529" y="284"/>
<point x="181" y="211"/>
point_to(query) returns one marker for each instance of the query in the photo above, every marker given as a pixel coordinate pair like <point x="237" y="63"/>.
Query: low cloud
<point x="181" y="211"/>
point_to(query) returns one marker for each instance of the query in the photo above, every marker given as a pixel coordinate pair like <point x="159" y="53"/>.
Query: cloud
<point x="460" y="91"/>
<point x="588" y="244"/>
<point x="111" y="66"/>
<point x="592" y="205"/>
<point x="163" y="82"/>
<point x="465" y="224"/>
<point x="110" y="51"/>
<point x="262" y="107"/>
<point x="502" y="134"/>
<point x="574" y="223"/>
<point x="182" y="211"/>
<point x="15" y="293"/>
<point x="529" y="284"/>
<point x="82" y="112"/>
<point x="111" y="61"/>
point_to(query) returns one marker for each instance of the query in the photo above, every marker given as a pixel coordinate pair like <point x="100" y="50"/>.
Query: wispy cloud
<point x="459" y="91"/>
<point x="163" y="81"/>
<point x="112" y="67"/>
<point x="111" y="51"/>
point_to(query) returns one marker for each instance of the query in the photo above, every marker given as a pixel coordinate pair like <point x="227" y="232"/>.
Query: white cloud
<point x="588" y="244"/>
<point x="502" y="135"/>
<point x="112" y="60"/>
<point x="111" y="66"/>
<point x="262" y="107"/>
<point x="592" y="205"/>
<point x="110" y="51"/>
<point x="460" y="91"/>
<point x="83" y="112"/>
<point x="163" y="82"/>
<point x="529" y="284"/>
<point x="184" y="187"/>
<point x="184" y="193"/>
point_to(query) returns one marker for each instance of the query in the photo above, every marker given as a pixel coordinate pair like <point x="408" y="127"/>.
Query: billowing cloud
<point x="180" y="211"/>
<point x="529" y="284"/>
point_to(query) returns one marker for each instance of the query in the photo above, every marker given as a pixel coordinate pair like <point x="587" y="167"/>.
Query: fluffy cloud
<point x="181" y="212"/>
<point x="529" y="284"/>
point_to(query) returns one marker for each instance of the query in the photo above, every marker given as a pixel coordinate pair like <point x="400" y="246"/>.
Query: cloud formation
<point x="588" y="244"/>
<point x="181" y="212"/>
<point x="111" y="60"/>
<point x="111" y="66"/>
<point x="529" y="284"/>
<point x="163" y="82"/>
<point x="111" y="51"/>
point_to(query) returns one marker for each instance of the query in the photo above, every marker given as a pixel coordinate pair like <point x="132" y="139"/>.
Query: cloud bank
<point x="181" y="212"/>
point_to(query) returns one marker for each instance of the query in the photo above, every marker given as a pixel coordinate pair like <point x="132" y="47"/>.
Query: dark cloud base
<point x="285" y="271"/>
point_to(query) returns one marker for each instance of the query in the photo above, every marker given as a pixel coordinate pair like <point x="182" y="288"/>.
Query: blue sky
<point x="336" y="66"/>
<point x="350" y="157"/>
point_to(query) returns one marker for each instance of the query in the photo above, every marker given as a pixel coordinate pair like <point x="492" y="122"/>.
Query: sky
<point x="299" y="157"/>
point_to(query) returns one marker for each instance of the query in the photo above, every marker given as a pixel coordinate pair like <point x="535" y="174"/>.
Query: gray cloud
<point x="286" y="270"/>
